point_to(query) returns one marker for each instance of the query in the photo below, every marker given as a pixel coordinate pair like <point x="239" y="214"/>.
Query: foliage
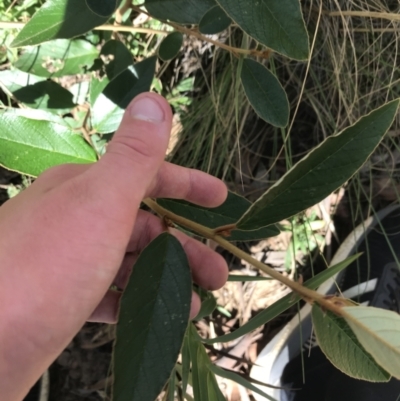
<point x="162" y="307"/>
<point x="58" y="41"/>
<point x="305" y="236"/>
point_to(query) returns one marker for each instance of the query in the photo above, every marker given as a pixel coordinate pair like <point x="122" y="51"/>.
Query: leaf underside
<point x="340" y="345"/>
<point x="378" y="330"/>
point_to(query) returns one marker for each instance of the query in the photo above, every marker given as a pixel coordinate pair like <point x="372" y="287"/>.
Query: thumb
<point x="138" y="148"/>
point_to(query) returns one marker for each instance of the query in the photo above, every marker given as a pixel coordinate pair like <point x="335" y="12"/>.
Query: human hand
<point x="78" y="229"/>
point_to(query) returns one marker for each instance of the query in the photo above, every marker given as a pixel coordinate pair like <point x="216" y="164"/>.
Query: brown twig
<point x="193" y="32"/>
<point x="333" y="304"/>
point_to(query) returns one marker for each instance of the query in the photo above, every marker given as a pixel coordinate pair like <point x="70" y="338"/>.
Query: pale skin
<point x="78" y="230"/>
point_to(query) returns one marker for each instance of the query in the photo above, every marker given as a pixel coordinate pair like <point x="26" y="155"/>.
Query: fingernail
<point x="147" y="109"/>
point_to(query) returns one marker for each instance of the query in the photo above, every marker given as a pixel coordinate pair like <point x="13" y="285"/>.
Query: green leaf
<point x="228" y="213"/>
<point x="37" y="93"/>
<point x="226" y="374"/>
<point x="185" y="361"/>
<point x="199" y="366"/>
<point x="341" y="347"/>
<point x="277" y="24"/>
<point x="378" y="331"/>
<point x="170" y="46"/>
<point x="265" y="93"/>
<point x="214" y="392"/>
<point x="322" y="171"/>
<point x="14" y="80"/>
<point x="208" y="305"/>
<point x="46" y="95"/>
<point x="103" y="8"/>
<point x="214" y="21"/>
<point x="205" y="386"/>
<point x="153" y="318"/>
<point x="96" y="87"/>
<point x="283" y="304"/>
<point x="106" y="115"/>
<point x="31" y="146"/>
<point x="121" y="57"/>
<point x="80" y="92"/>
<point x="131" y="82"/>
<point x="182" y="11"/>
<point x="58" y="58"/>
<point x="33" y="114"/>
<point x="108" y="108"/>
<point x="171" y="387"/>
<point x="58" y="19"/>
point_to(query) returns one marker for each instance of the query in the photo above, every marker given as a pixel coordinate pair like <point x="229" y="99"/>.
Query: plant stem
<point x="307" y="294"/>
<point x="333" y="304"/>
<point x="234" y="50"/>
<point x="107" y="27"/>
<point x="301" y="290"/>
<point x="123" y="28"/>
<point x="220" y="230"/>
<point x="200" y="229"/>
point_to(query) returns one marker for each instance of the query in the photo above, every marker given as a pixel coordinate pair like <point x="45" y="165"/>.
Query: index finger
<point x="176" y="182"/>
